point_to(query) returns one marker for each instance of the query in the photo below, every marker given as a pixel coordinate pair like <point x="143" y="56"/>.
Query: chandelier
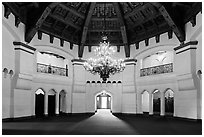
<point x="104" y="65"/>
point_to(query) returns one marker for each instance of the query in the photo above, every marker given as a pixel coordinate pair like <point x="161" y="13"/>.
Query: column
<point x="162" y="104"/>
<point x="188" y="94"/>
<point x="139" y="105"/>
<point x="46" y="104"/>
<point x="67" y="103"/>
<point x="57" y="103"/>
<point x="150" y="104"/>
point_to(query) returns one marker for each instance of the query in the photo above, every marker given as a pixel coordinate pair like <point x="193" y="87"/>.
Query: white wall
<point x="158" y="59"/>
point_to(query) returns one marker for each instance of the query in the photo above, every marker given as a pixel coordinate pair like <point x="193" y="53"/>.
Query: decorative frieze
<point x="167" y="68"/>
<point x="43" y="68"/>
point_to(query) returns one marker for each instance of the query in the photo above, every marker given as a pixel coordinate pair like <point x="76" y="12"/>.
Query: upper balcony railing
<point x="167" y="68"/>
<point x="43" y="68"/>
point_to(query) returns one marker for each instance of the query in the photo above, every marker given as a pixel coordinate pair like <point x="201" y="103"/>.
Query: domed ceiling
<point x="84" y="23"/>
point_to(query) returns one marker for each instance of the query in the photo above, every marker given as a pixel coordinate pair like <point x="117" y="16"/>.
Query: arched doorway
<point x="103" y="100"/>
<point x="51" y="102"/>
<point x="169" y="102"/>
<point x="145" y="102"/>
<point x="39" y="103"/>
<point x="156" y="102"/>
<point x="62" y="102"/>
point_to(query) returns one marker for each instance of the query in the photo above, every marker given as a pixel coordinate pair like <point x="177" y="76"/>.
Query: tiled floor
<point x="103" y="122"/>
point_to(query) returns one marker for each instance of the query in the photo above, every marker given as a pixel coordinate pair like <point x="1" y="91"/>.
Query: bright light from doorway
<point x="104" y="102"/>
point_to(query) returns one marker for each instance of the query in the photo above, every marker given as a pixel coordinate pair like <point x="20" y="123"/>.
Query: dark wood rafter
<point x="63" y="31"/>
<point x="146" y="42"/>
<point x="150" y="34"/>
<point x="123" y="29"/>
<point x="157" y="38"/>
<point x="67" y="22"/>
<point x="12" y="7"/>
<point x="39" y="35"/>
<point x="89" y="48"/>
<point x="101" y="19"/>
<point x="52" y="35"/>
<point x="135" y="10"/>
<point x="137" y="45"/>
<point x="118" y="48"/>
<point x="17" y="21"/>
<point x="144" y="20"/>
<point x="85" y="29"/>
<point x="127" y="23"/>
<point x="71" y="45"/>
<point x="7" y="11"/>
<point x="170" y="34"/>
<point x="193" y="21"/>
<point x="101" y="30"/>
<point x="75" y="12"/>
<point x="61" y="42"/>
<point x="175" y="27"/>
<point x="196" y="8"/>
<point x="32" y="31"/>
<point x="51" y="38"/>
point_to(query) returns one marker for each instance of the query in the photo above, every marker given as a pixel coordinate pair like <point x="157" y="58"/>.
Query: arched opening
<point x="51" y="102"/>
<point x="62" y="102"/>
<point x="39" y="103"/>
<point x="145" y="102"/>
<point x="11" y="73"/>
<point x="169" y="102"/>
<point x="156" y="101"/>
<point x="5" y="71"/>
<point x="103" y="100"/>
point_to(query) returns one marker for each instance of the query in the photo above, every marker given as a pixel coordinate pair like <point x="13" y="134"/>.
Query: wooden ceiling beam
<point x="75" y="12"/>
<point x="32" y="31"/>
<point x="102" y="19"/>
<point x="123" y="29"/>
<point x="52" y="34"/>
<point x="7" y="11"/>
<point x="150" y="35"/>
<point x="101" y="30"/>
<point x="175" y="27"/>
<point x="85" y="29"/>
<point x="67" y="22"/>
<point x="135" y="10"/>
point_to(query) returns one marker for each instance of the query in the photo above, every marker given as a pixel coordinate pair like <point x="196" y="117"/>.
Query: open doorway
<point x="156" y="102"/>
<point x="62" y="102"/>
<point x="103" y="101"/>
<point x="169" y="102"/>
<point x="51" y="102"/>
<point x="39" y="103"/>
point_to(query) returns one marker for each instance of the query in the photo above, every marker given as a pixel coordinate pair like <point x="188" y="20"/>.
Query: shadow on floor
<point x="157" y="125"/>
<point x="103" y="123"/>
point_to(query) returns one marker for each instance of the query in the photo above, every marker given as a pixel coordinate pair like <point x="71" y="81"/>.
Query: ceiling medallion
<point x="104" y="65"/>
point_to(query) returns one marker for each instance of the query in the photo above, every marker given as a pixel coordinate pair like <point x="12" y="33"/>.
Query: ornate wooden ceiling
<point x="83" y="23"/>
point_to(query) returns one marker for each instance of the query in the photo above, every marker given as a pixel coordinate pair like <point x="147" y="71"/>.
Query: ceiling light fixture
<point x="104" y="65"/>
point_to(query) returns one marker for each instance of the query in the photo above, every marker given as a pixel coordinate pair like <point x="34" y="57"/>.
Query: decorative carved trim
<point x="167" y="68"/>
